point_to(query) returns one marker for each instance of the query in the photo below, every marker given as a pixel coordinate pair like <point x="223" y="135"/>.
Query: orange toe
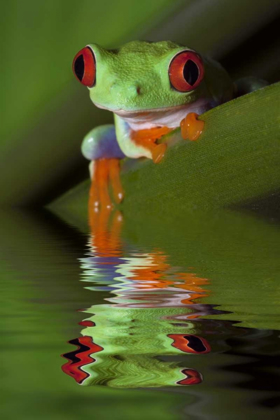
<point x="191" y="127"/>
<point x="106" y="173"/>
<point x="158" y="152"/>
<point x="93" y="196"/>
<point x="116" y="181"/>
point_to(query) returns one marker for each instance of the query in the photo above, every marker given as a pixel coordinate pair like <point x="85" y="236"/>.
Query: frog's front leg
<point x="140" y="143"/>
<point x="191" y="127"/>
<point x="100" y="146"/>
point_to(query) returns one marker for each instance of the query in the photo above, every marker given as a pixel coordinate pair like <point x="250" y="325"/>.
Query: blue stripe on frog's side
<point x="101" y="143"/>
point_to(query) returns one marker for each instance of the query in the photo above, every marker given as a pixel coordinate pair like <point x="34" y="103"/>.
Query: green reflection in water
<point x="40" y="294"/>
<point x="235" y="258"/>
<point x="150" y="316"/>
<point x="238" y="253"/>
<point x="158" y="319"/>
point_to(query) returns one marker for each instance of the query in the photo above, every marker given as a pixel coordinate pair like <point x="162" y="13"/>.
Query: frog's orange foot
<point x="158" y="152"/>
<point x="191" y="127"/>
<point x="105" y="172"/>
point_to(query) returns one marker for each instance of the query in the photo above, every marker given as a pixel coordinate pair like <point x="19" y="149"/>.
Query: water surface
<point x="134" y="316"/>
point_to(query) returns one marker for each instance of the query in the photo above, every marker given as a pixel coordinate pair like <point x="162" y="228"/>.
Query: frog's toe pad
<point x="119" y="196"/>
<point x="191" y="127"/>
<point x="158" y="152"/>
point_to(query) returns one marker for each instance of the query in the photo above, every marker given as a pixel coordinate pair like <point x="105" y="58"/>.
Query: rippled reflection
<point x="149" y="331"/>
<point x="126" y="342"/>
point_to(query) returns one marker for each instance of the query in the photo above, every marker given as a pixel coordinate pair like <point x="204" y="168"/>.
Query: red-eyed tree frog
<point x="151" y="88"/>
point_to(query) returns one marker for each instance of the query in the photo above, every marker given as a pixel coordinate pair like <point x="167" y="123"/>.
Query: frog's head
<point x="143" y="76"/>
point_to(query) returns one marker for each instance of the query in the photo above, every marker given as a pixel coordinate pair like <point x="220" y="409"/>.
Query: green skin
<point x="134" y="79"/>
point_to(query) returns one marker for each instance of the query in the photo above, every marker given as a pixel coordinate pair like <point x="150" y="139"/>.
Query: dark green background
<point x="45" y="113"/>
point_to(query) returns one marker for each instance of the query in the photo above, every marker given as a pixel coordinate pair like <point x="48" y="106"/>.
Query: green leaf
<point x="236" y="160"/>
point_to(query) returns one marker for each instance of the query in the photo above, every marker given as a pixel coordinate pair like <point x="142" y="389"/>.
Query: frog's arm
<point x="135" y="144"/>
<point x="100" y="146"/>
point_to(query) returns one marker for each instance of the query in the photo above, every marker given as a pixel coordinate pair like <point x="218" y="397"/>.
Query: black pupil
<point x="191" y="72"/>
<point x="79" y="67"/>
<point x="195" y="343"/>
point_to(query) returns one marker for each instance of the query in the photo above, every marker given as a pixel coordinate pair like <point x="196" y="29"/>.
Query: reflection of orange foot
<point x="191" y="127"/>
<point x="158" y="152"/>
<point x="105" y="171"/>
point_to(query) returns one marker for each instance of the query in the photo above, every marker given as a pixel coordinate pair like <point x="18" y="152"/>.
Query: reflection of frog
<point x="152" y="88"/>
<point x="151" y="315"/>
<point x="132" y="347"/>
<point x="111" y="262"/>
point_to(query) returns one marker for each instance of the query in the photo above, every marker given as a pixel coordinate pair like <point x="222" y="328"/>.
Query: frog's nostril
<point x="135" y="90"/>
<point x="131" y="91"/>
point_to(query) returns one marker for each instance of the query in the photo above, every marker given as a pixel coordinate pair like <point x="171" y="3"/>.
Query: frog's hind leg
<point x="104" y="172"/>
<point x="114" y="175"/>
<point x="99" y="194"/>
<point x="101" y="147"/>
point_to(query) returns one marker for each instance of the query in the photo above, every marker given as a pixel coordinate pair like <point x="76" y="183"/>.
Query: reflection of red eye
<point x="84" y="67"/>
<point x="87" y="323"/>
<point x="80" y="357"/>
<point x="192" y="377"/>
<point x="186" y="71"/>
<point x="190" y="343"/>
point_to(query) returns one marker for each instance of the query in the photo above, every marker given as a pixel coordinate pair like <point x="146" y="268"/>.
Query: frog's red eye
<point x="186" y="71"/>
<point x="84" y="67"/>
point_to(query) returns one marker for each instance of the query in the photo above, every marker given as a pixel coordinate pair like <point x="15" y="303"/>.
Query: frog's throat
<point x="159" y="117"/>
<point x="139" y="112"/>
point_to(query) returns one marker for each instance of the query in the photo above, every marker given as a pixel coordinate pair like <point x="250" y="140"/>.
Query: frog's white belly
<point x="170" y="117"/>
